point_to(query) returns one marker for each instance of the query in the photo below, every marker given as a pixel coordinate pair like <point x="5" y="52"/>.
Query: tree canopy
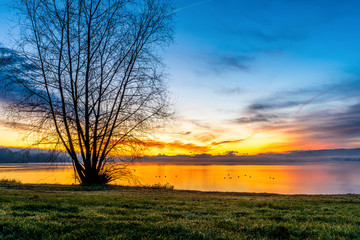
<point x="88" y="77"/>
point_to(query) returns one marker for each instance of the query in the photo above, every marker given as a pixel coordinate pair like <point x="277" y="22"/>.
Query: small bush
<point x="160" y="186"/>
<point x="10" y="180"/>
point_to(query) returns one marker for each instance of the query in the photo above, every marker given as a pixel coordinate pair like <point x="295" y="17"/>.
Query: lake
<point x="329" y="178"/>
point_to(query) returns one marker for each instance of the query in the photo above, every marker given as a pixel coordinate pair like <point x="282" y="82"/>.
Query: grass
<point x="111" y="212"/>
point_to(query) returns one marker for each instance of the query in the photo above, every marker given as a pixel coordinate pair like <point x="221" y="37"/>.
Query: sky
<point x="255" y="76"/>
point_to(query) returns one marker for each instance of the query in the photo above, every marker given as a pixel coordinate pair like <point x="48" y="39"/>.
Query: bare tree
<point x="90" y="77"/>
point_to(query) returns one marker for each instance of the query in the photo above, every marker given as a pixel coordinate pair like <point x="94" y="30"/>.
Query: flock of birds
<point x="164" y="176"/>
<point x="226" y="177"/>
<point x="230" y="177"/>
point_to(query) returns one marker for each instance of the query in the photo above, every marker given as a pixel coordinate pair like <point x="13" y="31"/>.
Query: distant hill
<point x="22" y="155"/>
<point x="292" y="157"/>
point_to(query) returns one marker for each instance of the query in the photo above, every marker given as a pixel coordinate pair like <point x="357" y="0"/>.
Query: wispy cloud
<point x="226" y="62"/>
<point x="184" y="133"/>
<point x="262" y="106"/>
<point x="14" y="125"/>
<point x="330" y="89"/>
<point x="340" y="125"/>
<point x="280" y="35"/>
<point x="331" y="118"/>
<point x="190" y="6"/>
<point x="257" y="118"/>
<point x="228" y="141"/>
<point x="229" y="91"/>
<point x="177" y="145"/>
<point x="220" y="63"/>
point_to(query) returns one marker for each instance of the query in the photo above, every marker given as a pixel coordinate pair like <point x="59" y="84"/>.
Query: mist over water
<point x="331" y="178"/>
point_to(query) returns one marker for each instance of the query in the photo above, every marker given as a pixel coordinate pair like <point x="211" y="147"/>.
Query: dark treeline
<point x="21" y="155"/>
<point x="291" y="157"/>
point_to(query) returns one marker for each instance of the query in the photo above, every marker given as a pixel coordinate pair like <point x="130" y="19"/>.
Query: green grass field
<point x="78" y="212"/>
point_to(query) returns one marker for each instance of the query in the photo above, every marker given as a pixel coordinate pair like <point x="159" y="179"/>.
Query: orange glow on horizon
<point x="10" y="138"/>
<point x="185" y="144"/>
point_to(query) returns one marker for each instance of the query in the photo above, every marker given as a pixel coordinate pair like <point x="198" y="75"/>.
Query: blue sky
<point x="291" y="66"/>
<point x="261" y="76"/>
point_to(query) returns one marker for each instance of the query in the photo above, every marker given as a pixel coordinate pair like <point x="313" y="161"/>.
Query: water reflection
<point x="292" y="179"/>
<point x="38" y="173"/>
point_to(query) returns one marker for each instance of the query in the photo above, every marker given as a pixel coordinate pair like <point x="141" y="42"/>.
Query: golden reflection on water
<point x="292" y="179"/>
<point x="38" y="173"/>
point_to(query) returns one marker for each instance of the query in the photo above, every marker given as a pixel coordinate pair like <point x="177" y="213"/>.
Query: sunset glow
<point x="179" y="119"/>
<point x="260" y="79"/>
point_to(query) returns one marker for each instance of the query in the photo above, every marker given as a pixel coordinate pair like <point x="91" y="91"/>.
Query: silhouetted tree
<point x="89" y="77"/>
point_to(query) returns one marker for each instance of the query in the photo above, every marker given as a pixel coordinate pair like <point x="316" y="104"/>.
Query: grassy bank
<point x="75" y="212"/>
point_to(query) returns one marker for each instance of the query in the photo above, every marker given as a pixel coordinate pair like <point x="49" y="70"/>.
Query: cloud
<point x="257" y="118"/>
<point x="190" y="6"/>
<point x="257" y="44"/>
<point x="280" y="35"/>
<point x="14" y="125"/>
<point x="226" y="142"/>
<point x="199" y="124"/>
<point x="230" y="91"/>
<point x="220" y="63"/>
<point x="227" y="62"/>
<point x="339" y="124"/>
<point x="190" y="147"/>
<point x="177" y="145"/>
<point x="204" y="137"/>
<point x="324" y="127"/>
<point x="265" y="39"/>
<point x="346" y="86"/>
<point x="265" y="105"/>
<point x="184" y="133"/>
<point x="233" y="62"/>
<point x="296" y="100"/>
<point x="323" y="116"/>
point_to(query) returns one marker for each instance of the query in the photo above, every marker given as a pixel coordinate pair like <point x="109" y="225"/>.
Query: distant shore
<point x="20" y="155"/>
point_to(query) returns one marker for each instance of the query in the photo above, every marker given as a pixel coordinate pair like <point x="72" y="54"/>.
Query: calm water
<point x="293" y="179"/>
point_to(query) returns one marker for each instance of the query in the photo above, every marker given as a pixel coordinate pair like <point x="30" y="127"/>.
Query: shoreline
<point x="112" y="187"/>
